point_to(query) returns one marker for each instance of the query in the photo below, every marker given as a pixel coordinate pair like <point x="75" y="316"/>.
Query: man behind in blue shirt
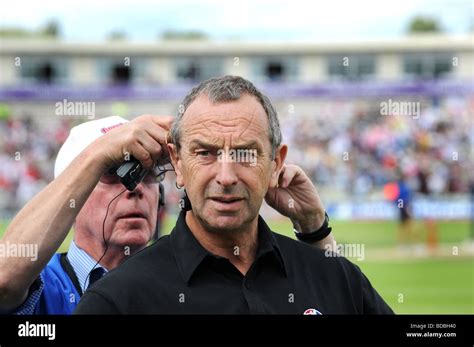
<point x="83" y="193"/>
<point x="110" y="222"/>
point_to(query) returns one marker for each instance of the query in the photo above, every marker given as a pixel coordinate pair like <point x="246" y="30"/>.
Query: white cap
<point x="82" y="136"/>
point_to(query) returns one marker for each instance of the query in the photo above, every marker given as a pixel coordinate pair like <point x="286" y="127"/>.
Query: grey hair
<point x="228" y="88"/>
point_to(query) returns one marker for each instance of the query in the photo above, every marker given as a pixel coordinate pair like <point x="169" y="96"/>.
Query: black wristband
<point x="316" y="235"/>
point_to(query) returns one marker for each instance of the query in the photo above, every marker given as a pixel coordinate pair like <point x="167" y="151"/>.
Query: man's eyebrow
<point x="244" y="145"/>
<point x="199" y="143"/>
<point x="251" y="144"/>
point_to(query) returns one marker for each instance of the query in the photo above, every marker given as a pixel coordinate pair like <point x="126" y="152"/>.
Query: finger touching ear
<point x="163" y="121"/>
<point x="278" y="162"/>
<point x="176" y="161"/>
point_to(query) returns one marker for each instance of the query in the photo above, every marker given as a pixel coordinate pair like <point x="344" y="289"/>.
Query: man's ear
<point x="176" y="161"/>
<point x="278" y="161"/>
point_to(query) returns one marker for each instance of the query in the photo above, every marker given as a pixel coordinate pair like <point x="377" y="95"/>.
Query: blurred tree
<point x="183" y="35"/>
<point x="14" y="32"/>
<point x="116" y="35"/>
<point x="52" y="28"/>
<point x="5" y="111"/>
<point x="421" y="24"/>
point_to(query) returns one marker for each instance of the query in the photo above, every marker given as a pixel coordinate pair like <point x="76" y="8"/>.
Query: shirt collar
<point x="82" y="263"/>
<point x="189" y="253"/>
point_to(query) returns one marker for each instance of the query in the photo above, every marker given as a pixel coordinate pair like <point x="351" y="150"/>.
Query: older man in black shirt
<point x="221" y="257"/>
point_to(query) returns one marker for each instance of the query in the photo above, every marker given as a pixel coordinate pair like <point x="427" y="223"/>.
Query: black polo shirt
<point x="176" y="275"/>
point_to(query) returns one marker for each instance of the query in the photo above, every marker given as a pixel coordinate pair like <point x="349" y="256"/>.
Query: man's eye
<point x="203" y="153"/>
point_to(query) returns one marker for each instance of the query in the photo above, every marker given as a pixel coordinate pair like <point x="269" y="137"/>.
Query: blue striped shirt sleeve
<point x="31" y="302"/>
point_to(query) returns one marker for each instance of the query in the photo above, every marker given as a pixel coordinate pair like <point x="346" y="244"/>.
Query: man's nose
<point x="137" y="192"/>
<point x="226" y="175"/>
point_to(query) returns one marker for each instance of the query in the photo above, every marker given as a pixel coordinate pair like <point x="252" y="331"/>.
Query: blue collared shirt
<point x="82" y="263"/>
<point x="54" y="291"/>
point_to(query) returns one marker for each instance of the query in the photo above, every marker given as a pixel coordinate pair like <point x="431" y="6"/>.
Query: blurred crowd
<point x="345" y="146"/>
<point x="350" y="148"/>
<point x="27" y="153"/>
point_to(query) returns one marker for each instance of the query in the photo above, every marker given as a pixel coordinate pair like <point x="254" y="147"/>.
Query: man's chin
<point x="133" y="238"/>
<point x="223" y="224"/>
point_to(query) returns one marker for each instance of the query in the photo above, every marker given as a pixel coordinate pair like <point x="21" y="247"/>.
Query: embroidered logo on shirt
<point x="311" y="311"/>
<point x="106" y="130"/>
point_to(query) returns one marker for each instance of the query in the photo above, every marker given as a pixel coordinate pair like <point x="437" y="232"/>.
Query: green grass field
<point x="440" y="283"/>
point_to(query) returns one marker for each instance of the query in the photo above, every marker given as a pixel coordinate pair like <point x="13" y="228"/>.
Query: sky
<point x="258" y="20"/>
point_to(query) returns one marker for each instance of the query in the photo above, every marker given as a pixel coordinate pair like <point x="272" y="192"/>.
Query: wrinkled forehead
<point x="242" y="119"/>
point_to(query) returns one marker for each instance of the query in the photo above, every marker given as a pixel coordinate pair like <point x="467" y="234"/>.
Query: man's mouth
<point x="133" y="215"/>
<point x="226" y="199"/>
<point x="227" y="203"/>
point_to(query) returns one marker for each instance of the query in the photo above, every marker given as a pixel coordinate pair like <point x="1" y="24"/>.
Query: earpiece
<point x="185" y="203"/>
<point x="161" y="201"/>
